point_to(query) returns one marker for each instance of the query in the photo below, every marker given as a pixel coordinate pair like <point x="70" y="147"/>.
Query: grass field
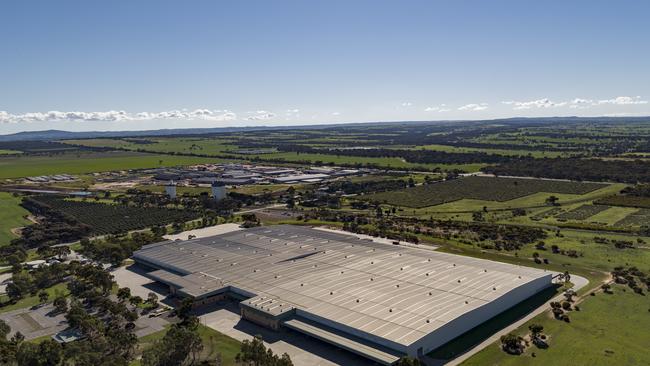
<point x="609" y="330"/>
<point x="202" y="146"/>
<point x="11" y="216"/>
<point x="29" y="301"/>
<point x="218" y="147"/>
<point x="612" y="215"/>
<point x="479" y="188"/>
<point x="9" y="152"/>
<point x="213" y="343"/>
<point x="389" y="163"/>
<point x="506" y="152"/>
<point x="25" y="166"/>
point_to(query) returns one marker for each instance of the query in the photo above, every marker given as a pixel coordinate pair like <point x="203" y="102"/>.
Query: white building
<point x="375" y="299"/>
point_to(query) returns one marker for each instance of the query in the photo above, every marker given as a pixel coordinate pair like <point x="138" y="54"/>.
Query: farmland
<point x="198" y="146"/>
<point x="639" y="218"/>
<point x="625" y="201"/>
<point x="25" y="166"/>
<point x="112" y="219"/>
<point x="479" y="188"/>
<point x="583" y="212"/>
<point x="588" y="228"/>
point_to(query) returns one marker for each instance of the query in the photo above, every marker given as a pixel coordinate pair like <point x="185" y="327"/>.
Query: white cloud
<point x="579" y="103"/>
<point x="115" y="116"/>
<point x="261" y="115"/>
<point x="440" y="108"/>
<point x="406" y="104"/>
<point x="336" y="113"/>
<point x="473" y="107"/>
<point x="539" y="103"/>
<point x="623" y="101"/>
<point x="292" y="114"/>
<point x="576" y="103"/>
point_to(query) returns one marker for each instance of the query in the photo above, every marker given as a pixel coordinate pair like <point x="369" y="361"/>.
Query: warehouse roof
<point x="394" y="292"/>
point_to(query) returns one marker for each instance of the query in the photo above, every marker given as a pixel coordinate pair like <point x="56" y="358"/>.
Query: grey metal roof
<point x="395" y="292"/>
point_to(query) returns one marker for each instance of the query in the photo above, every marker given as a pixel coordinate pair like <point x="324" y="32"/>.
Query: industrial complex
<point x="375" y="299"/>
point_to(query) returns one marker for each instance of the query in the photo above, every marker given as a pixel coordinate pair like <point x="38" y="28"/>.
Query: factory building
<point x="378" y="300"/>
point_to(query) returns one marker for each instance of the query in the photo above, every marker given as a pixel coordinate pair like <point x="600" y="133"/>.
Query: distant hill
<point x="50" y="135"/>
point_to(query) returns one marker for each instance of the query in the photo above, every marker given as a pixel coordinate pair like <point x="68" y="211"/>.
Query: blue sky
<point x="136" y="64"/>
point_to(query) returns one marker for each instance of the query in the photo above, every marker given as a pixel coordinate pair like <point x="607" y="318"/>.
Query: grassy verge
<point x="11" y="216"/>
<point x="214" y="343"/>
<point x="609" y="330"/>
<point x="32" y="300"/>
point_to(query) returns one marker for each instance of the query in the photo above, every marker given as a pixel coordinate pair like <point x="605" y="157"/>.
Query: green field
<point x="31" y="300"/>
<point x="213" y="343"/>
<point x="479" y="188"/>
<point x="221" y="147"/>
<point x="11" y="216"/>
<point x="609" y="330"/>
<point x="199" y="146"/>
<point x="505" y="152"/>
<point x="26" y="166"/>
<point x="9" y="152"/>
<point x="388" y="163"/>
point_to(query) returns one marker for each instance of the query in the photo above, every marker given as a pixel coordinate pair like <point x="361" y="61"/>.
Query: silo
<point x="218" y="190"/>
<point x="170" y="189"/>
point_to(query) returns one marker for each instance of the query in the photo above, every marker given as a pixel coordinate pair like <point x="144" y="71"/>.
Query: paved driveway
<point x="303" y="350"/>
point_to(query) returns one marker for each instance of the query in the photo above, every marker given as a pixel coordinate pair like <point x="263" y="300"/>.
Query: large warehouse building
<point x="378" y="300"/>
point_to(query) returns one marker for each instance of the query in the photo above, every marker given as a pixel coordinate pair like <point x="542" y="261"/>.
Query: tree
<point x="135" y="300"/>
<point x="45" y="353"/>
<point x="511" y="344"/>
<point x="185" y="309"/>
<point x="60" y="304"/>
<point x="180" y="346"/>
<point x="552" y="200"/>
<point x="408" y="361"/>
<point x="535" y="330"/>
<point x="569" y="294"/>
<point x="253" y="352"/>
<point x="152" y="298"/>
<point x="124" y="293"/>
<point x="5" y="329"/>
<point x="43" y="296"/>
<point x="606" y="288"/>
<point x="14" y="292"/>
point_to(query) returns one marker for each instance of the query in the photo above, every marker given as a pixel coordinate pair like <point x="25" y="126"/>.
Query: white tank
<point x="170" y="189"/>
<point x="218" y="191"/>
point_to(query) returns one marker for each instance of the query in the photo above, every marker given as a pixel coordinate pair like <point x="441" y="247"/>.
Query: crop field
<point x="581" y="213"/>
<point x="625" y="201"/>
<point x="505" y="152"/>
<point x="11" y="216"/>
<point x="113" y="219"/>
<point x="198" y="146"/>
<point x="360" y="161"/>
<point x="638" y="218"/>
<point x="479" y="188"/>
<point x="26" y="166"/>
<point x="612" y="215"/>
<point x="228" y="148"/>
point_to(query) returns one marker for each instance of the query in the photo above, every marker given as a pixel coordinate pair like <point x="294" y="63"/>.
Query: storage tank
<point x="170" y="189"/>
<point x="218" y="190"/>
